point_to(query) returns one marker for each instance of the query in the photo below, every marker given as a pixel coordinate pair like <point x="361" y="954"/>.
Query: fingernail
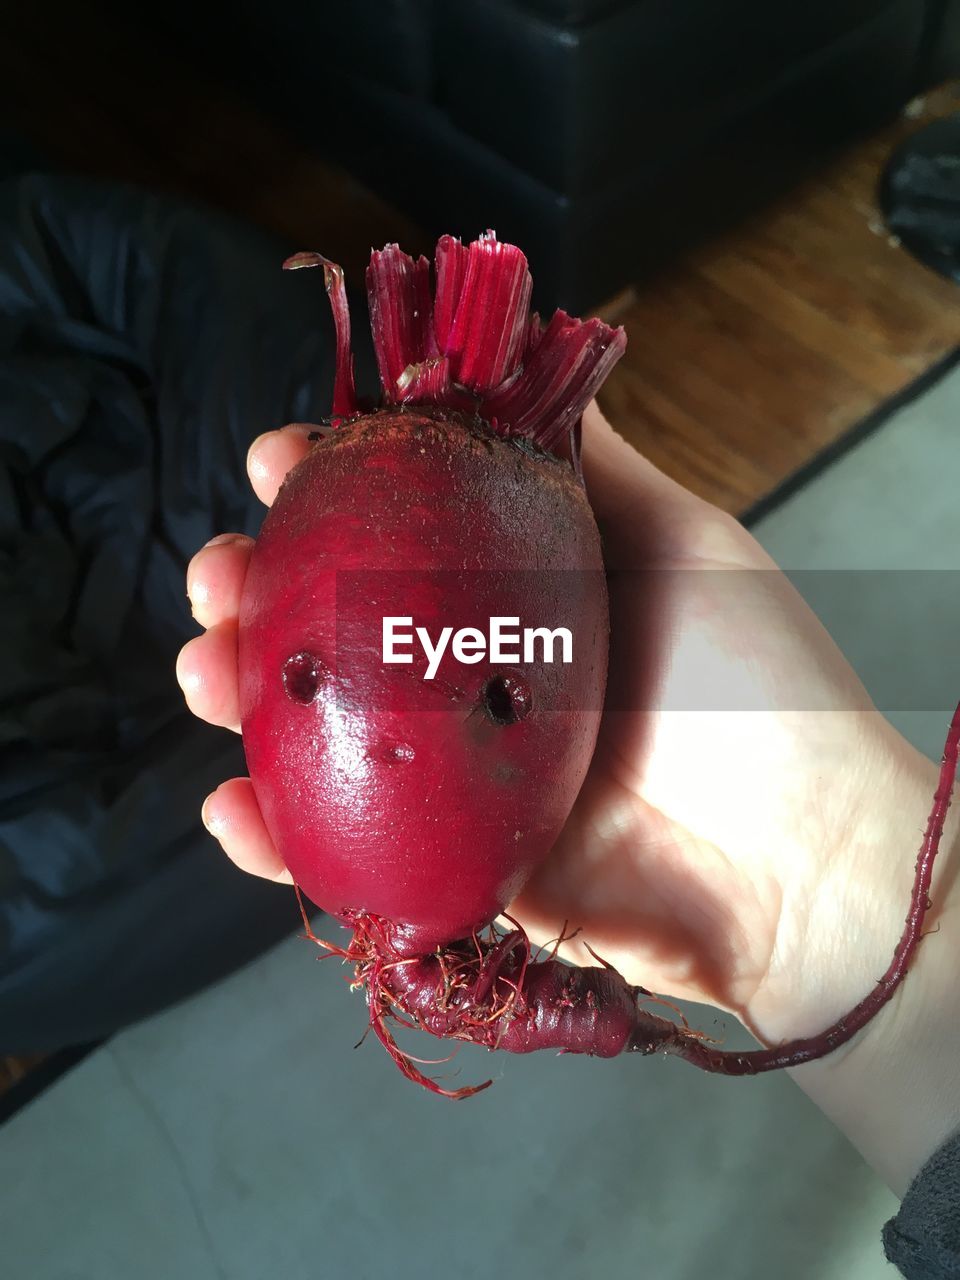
<point x="189" y="681"/>
<point x="211" y="821"/>
<point x="254" y="466"/>
<point x="224" y="539"/>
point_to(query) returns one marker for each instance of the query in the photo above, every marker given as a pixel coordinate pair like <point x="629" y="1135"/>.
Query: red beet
<point x="427" y="802"/>
<point x="411" y="809"/>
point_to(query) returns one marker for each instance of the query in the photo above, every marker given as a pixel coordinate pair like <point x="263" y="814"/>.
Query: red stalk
<point x="401" y="315"/>
<point x="486" y="340"/>
<point x="344" y="392"/>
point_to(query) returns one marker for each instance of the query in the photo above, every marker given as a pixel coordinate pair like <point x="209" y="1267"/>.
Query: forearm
<point x="895" y="1090"/>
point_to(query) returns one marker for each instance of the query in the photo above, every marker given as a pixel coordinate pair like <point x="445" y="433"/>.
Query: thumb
<point x="644" y="517"/>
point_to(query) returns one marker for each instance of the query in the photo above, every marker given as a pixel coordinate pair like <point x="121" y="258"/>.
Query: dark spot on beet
<point x="303" y="674"/>
<point x="506" y="699"/>
<point x="505" y="772"/>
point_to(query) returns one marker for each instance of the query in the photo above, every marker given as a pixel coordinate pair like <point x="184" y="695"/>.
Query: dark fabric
<point x="17" y="155"/>
<point x="143" y="345"/>
<point x="920" y="195"/>
<point x="923" y="1240"/>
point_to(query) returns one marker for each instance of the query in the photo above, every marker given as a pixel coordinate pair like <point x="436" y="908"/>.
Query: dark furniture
<point x="599" y="134"/>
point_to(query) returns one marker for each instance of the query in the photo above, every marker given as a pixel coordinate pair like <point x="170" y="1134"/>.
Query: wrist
<point x="895" y="1089"/>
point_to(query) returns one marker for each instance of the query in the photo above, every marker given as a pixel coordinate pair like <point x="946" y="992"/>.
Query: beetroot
<point x="413" y="800"/>
<point x="426" y="802"/>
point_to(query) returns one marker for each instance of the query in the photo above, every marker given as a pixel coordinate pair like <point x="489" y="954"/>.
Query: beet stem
<point x="473" y="346"/>
<point x="345" y="403"/>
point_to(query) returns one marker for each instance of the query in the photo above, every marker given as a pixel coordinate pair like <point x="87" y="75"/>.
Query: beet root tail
<point x="793" y="1053"/>
<point x="489" y="991"/>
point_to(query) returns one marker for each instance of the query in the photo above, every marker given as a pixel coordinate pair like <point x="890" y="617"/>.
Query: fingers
<point x="207" y="666"/>
<point x="272" y="455"/>
<point x="207" y="674"/>
<point x="215" y="578"/>
<point x="231" y="814"/>
<point x="216" y="573"/>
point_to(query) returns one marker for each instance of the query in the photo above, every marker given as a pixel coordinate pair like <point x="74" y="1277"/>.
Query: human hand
<point x="747" y="830"/>
<point x="717" y="840"/>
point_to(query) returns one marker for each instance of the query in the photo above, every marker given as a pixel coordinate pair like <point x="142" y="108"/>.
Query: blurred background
<point x="766" y="196"/>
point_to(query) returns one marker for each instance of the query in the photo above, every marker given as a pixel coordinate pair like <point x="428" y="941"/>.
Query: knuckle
<point x="721" y="539"/>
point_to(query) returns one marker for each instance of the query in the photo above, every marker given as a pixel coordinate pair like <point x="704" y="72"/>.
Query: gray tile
<point x="240" y="1135"/>
<point x="875" y="541"/>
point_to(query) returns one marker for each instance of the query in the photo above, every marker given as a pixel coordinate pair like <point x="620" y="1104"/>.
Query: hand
<point x="757" y="854"/>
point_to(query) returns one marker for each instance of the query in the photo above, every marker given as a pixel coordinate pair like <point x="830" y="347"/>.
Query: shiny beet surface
<point x="427" y="803"/>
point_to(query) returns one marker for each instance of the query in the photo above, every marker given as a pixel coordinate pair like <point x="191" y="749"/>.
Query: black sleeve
<point x="923" y="1240"/>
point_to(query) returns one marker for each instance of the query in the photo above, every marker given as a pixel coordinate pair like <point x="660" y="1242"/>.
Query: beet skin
<point x="384" y="791"/>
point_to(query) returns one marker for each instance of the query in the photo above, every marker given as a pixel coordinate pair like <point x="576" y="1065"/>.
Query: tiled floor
<point x="890" y="510"/>
<point x="242" y="1136"/>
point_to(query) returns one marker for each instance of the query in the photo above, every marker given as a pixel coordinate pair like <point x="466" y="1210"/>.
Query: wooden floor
<point x="767" y="344"/>
<point x="744" y="360"/>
